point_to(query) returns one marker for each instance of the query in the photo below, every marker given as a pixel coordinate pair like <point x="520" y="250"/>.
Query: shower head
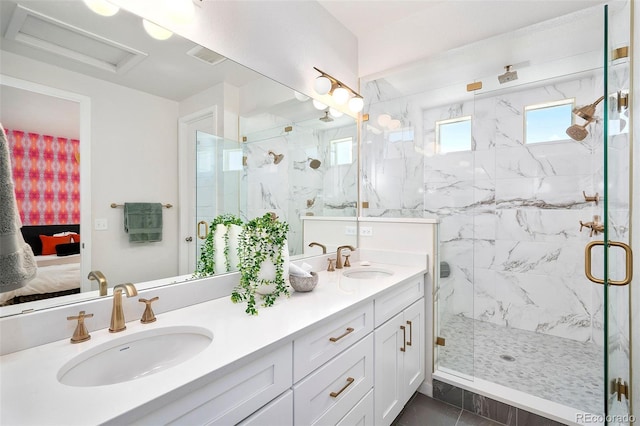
<point x="314" y="164"/>
<point x="277" y="158"/>
<point x="587" y="112"/>
<point x="508" y="75"/>
<point x="578" y="132"/>
<point x="327" y="118"/>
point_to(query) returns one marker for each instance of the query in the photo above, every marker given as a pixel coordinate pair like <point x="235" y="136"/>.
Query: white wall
<point x="133" y="145"/>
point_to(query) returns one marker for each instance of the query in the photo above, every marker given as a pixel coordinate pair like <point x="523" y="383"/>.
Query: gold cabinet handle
<point x="350" y="380"/>
<point x="404" y="339"/>
<point x="335" y="339"/>
<point x="206" y="230"/>
<point x="410" y="333"/>
<point x="628" y="262"/>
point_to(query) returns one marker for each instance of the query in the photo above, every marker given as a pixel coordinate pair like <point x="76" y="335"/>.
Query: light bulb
<point x="301" y="97"/>
<point x="384" y="119"/>
<point x="322" y="85"/>
<point x="102" y="7"/>
<point x="180" y="11"/>
<point x="156" y="31"/>
<point x="335" y="113"/>
<point x="341" y="95"/>
<point x="356" y="104"/>
<point x="318" y="105"/>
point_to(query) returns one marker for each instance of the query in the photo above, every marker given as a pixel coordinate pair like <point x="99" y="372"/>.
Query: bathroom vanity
<point x="352" y="350"/>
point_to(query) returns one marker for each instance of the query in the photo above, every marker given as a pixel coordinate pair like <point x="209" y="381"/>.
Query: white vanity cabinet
<point x="399" y="352"/>
<point x="229" y="399"/>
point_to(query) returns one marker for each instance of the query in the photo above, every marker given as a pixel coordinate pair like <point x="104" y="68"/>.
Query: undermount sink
<point x="367" y="274"/>
<point x="134" y="356"/>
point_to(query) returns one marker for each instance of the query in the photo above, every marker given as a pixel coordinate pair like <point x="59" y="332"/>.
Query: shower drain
<point x="507" y="358"/>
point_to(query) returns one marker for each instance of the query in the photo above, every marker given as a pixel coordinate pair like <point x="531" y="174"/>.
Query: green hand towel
<point x="143" y="222"/>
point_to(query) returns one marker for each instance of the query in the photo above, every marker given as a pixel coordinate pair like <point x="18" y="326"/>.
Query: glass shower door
<point x="617" y="175"/>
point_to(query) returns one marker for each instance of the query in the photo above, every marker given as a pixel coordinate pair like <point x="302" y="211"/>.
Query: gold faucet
<point x="117" y="315"/>
<point x="324" y="248"/>
<point x="596" y="226"/>
<point x="339" y="255"/>
<point x="102" y="281"/>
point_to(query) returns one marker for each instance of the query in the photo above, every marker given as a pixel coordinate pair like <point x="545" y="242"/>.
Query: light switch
<point x="100" y="225"/>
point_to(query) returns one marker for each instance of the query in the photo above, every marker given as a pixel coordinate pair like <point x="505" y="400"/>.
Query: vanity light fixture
<point x="102" y="7"/>
<point x="341" y="93"/>
<point x="335" y="113"/>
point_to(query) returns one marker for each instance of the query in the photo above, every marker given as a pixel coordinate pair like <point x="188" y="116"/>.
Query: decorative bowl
<point x="303" y="284"/>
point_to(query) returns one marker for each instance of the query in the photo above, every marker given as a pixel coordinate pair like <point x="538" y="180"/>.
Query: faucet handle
<point x="346" y="261"/>
<point x="148" y="316"/>
<point x="80" y="334"/>
<point x="331" y="266"/>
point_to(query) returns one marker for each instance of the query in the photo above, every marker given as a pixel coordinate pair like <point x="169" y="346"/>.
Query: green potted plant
<point x="264" y="262"/>
<point x="219" y="252"/>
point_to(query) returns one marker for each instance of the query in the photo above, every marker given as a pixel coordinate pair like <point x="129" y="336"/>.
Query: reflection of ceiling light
<point x="301" y="97"/>
<point x="356" y="104"/>
<point x="340" y="95"/>
<point x="180" y="11"/>
<point x="156" y="31"/>
<point x="102" y="7"/>
<point x="335" y="113"/>
<point x="322" y="85"/>
<point x="318" y="105"/>
<point x="384" y="120"/>
<point x="394" y="124"/>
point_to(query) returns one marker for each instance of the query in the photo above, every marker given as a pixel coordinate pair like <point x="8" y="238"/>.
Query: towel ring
<point x="114" y="205"/>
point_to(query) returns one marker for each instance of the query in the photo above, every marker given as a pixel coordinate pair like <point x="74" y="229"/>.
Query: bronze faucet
<point x="596" y="226"/>
<point x="324" y="248"/>
<point x="102" y="281"/>
<point x="339" y="255"/>
<point x="117" y="314"/>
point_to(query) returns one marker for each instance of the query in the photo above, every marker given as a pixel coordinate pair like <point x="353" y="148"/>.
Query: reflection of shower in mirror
<point x="277" y="158"/>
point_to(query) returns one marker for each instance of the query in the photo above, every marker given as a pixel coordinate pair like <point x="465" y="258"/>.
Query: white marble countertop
<point x="30" y="393"/>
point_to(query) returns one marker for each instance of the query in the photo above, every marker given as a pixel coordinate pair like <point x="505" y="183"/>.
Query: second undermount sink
<point x="134" y="356"/>
<point x="367" y="273"/>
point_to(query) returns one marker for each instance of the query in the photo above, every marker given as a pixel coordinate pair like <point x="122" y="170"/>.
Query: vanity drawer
<point x="277" y="412"/>
<point x="326" y="341"/>
<point x="329" y="393"/>
<point x="229" y="399"/>
<point x="394" y="301"/>
<point x="361" y="414"/>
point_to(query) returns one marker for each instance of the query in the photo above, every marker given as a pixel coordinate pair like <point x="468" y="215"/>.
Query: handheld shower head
<point x="508" y="75"/>
<point x="277" y="158"/>
<point x="578" y="132"/>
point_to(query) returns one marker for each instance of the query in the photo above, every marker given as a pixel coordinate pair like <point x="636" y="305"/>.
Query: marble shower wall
<point x="509" y="211"/>
<point x="292" y="188"/>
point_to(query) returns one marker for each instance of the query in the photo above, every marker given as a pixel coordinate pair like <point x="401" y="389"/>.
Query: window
<point x="547" y="122"/>
<point x="232" y="160"/>
<point x="453" y="135"/>
<point x="341" y="151"/>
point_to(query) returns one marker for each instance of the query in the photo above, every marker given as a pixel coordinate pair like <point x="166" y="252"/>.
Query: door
<point x="617" y="203"/>
<point x="414" y="366"/>
<point x="389" y="383"/>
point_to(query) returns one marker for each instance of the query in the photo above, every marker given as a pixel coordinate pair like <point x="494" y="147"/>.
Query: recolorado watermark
<point x="599" y="418"/>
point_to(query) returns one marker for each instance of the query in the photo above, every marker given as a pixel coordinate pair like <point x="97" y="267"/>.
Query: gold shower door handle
<point x="628" y="262"/>
<point x="206" y="230"/>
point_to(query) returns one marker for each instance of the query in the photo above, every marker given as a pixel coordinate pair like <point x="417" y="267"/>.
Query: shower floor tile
<point x="557" y="369"/>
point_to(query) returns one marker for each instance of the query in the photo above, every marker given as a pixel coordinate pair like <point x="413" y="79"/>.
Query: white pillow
<point x="63" y="234"/>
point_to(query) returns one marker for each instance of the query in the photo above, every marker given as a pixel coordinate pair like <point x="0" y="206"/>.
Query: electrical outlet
<point x="100" y="225"/>
<point x="366" y="231"/>
<point x="350" y="230"/>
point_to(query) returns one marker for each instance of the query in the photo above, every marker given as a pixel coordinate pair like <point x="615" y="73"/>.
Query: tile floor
<point x="424" y="411"/>
<point x="560" y="370"/>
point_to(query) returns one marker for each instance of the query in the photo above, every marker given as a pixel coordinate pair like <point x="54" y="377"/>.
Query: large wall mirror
<point x="103" y="114"/>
